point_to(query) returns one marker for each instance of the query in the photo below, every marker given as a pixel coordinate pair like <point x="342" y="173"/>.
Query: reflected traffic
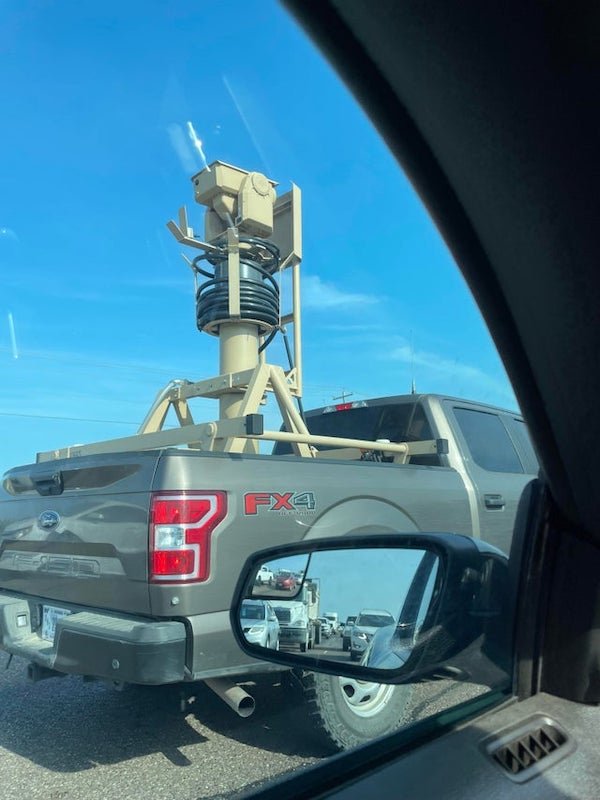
<point x="345" y="605"/>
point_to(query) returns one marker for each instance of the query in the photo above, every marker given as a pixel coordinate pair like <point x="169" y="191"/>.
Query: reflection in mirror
<point x="280" y="578"/>
<point x="366" y="605"/>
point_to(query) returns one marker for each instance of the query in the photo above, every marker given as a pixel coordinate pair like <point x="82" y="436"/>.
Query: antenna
<point x="197" y="144"/>
<point x="250" y="237"/>
<point x="343" y="396"/>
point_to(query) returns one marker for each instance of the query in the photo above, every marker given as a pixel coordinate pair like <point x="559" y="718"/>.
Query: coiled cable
<point x="259" y="292"/>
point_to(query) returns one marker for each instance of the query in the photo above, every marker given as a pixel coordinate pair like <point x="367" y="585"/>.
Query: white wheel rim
<point x="365" y="698"/>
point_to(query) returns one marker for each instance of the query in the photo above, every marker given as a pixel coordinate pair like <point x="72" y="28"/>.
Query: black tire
<point x="334" y="722"/>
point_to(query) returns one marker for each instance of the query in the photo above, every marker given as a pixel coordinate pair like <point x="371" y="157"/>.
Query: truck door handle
<point x="493" y="501"/>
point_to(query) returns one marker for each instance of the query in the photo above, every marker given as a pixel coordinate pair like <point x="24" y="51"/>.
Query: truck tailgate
<point x="76" y="530"/>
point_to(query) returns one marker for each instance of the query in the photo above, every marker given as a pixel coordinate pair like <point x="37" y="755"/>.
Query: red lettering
<point x="255" y="499"/>
<point x="282" y="501"/>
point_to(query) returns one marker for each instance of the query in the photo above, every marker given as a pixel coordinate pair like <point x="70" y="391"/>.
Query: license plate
<point x="50" y="616"/>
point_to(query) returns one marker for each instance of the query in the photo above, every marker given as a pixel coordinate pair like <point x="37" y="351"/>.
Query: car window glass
<point x="488" y="441"/>
<point x="110" y="109"/>
<point x="253" y="611"/>
<point x="519" y="431"/>
<point x="376" y="620"/>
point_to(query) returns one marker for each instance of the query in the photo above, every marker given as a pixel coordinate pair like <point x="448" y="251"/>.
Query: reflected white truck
<point x="334" y="621"/>
<point x="122" y="565"/>
<point x="265" y="576"/>
<point x="298" y="618"/>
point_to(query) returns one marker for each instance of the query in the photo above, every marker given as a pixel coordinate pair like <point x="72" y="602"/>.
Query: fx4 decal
<point x="283" y="502"/>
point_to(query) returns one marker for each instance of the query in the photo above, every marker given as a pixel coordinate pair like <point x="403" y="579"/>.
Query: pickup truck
<point x="333" y="619"/>
<point x="121" y="566"/>
<point x="265" y="576"/>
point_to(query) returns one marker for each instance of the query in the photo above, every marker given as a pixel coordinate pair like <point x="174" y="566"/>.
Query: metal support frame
<point x="237" y="198"/>
<point x="245" y="376"/>
<point x="252" y="383"/>
<point x="212" y="436"/>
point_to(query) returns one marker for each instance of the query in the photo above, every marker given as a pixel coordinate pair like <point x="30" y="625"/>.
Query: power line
<point x="72" y="359"/>
<point x="66" y="419"/>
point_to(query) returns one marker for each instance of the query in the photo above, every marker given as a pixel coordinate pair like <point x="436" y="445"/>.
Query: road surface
<point x="62" y="739"/>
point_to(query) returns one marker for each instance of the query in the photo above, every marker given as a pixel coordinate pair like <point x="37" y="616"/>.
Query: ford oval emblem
<point x="48" y="520"/>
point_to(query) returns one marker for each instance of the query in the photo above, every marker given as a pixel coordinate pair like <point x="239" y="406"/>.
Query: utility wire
<point x="309" y="387"/>
<point x="66" y="419"/>
<point x="33" y="354"/>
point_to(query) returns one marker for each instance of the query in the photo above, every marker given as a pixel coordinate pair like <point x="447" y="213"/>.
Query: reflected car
<point x="366" y="626"/>
<point x="260" y="623"/>
<point x="347" y="632"/>
<point x="286" y="580"/>
<point x="385" y="651"/>
<point x="334" y="622"/>
<point x="264" y="576"/>
<point x="326" y="629"/>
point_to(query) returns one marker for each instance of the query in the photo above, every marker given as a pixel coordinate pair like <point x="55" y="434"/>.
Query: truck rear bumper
<point x="293" y="634"/>
<point x="102" y="645"/>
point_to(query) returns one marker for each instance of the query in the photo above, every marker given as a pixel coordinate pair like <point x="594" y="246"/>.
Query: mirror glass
<point x="363" y="605"/>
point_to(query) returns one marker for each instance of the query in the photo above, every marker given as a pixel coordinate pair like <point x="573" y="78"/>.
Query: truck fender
<point x="361" y="515"/>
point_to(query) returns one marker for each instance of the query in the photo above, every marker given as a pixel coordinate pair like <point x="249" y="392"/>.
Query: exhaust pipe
<point x="235" y="697"/>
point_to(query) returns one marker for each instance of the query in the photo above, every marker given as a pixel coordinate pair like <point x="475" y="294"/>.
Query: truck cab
<point x="294" y="627"/>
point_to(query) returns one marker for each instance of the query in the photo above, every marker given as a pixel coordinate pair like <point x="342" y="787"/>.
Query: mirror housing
<point x="465" y="632"/>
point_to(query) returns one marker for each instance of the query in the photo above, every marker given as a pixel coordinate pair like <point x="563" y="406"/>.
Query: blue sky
<point x="95" y="161"/>
<point x="344" y="577"/>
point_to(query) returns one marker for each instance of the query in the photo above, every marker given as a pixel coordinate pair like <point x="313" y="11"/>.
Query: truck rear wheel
<point x="346" y="713"/>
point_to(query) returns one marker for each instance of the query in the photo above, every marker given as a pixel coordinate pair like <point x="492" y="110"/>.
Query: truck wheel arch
<point x="361" y="515"/>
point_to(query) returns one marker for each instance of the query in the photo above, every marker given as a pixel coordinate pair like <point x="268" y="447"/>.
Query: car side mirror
<point x="426" y="606"/>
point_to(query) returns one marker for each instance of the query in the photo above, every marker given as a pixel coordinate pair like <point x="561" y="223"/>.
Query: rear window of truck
<point x="398" y="422"/>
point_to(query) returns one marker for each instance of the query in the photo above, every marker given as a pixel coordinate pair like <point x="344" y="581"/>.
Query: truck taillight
<point x="181" y="524"/>
<point x="345" y="406"/>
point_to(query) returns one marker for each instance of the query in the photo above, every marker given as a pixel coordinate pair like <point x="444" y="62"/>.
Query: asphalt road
<point x="330" y="647"/>
<point x="63" y="739"/>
